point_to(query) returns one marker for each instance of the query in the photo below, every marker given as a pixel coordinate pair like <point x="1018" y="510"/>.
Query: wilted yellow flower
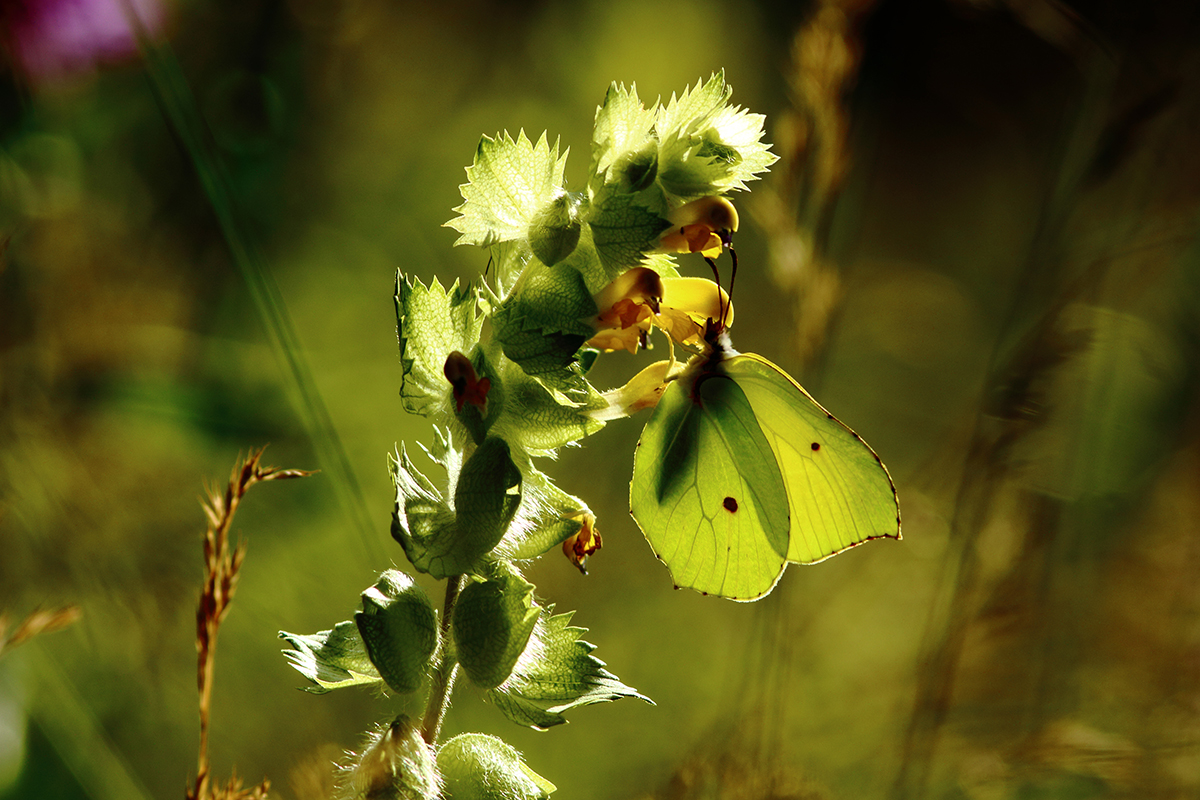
<point x="587" y="541"/>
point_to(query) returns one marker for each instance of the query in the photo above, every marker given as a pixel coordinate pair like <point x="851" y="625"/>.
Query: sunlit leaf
<point x="707" y="146"/>
<point x="431" y="322"/>
<point x="541" y="325"/>
<point x="537" y="416"/>
<point x="511" y="181"/>
<point x="624" y="149"/>
<point x="622" y="230"/>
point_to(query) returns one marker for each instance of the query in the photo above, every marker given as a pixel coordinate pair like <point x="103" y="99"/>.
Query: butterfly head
<point x="716" y="336"/>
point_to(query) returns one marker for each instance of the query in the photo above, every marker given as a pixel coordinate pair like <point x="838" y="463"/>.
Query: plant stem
<point x="445" y="671"/>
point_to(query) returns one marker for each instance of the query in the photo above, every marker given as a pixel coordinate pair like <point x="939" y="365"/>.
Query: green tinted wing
<point x="839" y="492"/>
<point x="707" y="493"/>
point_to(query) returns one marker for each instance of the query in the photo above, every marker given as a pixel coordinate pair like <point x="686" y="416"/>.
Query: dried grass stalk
<point x="221" y="566"/>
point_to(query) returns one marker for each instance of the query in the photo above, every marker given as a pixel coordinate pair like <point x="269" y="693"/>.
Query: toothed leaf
<point x="431" y="323"/>
<point x="707" y="146"/>
<point x="623" y="231"/>
<point x="563" y="675"/>
<point x="510" y="182"/>
<point x="542" y="324"/>
<point x="624" y="149"/>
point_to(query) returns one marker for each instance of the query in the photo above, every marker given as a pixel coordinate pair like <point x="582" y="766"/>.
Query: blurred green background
<point x="977" y="250"/>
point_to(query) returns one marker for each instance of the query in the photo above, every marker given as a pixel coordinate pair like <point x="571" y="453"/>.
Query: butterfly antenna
<point x="733" y="275"/>
<point x="720" y="302"/>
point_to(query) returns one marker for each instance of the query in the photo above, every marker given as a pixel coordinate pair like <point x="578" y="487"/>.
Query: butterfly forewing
<point x="839" y="492"/>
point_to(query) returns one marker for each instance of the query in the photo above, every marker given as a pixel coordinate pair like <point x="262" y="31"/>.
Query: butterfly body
<point x="739" y="471"/>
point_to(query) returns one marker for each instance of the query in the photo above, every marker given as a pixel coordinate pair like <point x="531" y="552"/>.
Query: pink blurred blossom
<point x="49" y="39"/>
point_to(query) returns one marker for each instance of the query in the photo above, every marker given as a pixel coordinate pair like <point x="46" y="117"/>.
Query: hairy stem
<point x="445" y="671"/>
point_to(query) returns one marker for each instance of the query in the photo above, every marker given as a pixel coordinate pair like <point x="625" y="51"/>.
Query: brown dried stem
<point x="221" y="566"/>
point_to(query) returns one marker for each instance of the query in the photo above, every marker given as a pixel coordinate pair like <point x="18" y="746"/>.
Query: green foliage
<point x="694" y="146"/>
<point x="540" y="417"/>
<point x="499" y="369"/>
<point x="510" y="185"/>
<point x="444" y="539"/>
<point x="554" y="230"/>
<point x="547" y="515"/>
<point x="541" y="325"/>
<point x="622" y="230"/>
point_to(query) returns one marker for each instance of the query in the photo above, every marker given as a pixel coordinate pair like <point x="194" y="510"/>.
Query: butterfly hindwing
<point x="708" y="493"/>
<point x="839" y="492"/>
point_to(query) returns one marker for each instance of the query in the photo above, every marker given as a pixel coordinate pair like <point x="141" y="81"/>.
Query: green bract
<point x="510" y="184"/>
<point x="694" y="146"/>
<point x="399" y="628"/>
<point x="492" y="624"/>
<point x="447" y="539"/>
<point x="475" y="766"/>
<point x="331" y="659"/>
<point x="547" y="515"/>
<point x="431" y="322"/>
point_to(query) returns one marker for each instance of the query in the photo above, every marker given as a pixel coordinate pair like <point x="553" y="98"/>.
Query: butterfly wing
<point x="839" y="493"/>
<point x="707" y="491"/>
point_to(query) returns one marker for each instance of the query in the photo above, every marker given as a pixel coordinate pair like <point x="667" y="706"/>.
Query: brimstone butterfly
<point x="739" y="471"/>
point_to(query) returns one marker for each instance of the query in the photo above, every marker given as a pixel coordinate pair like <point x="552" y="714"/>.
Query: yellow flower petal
<point x="642" y="391"/>
<point x="701" y="226"/>
<point x="627" y="306"/>
<point x="687" y="304"/>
